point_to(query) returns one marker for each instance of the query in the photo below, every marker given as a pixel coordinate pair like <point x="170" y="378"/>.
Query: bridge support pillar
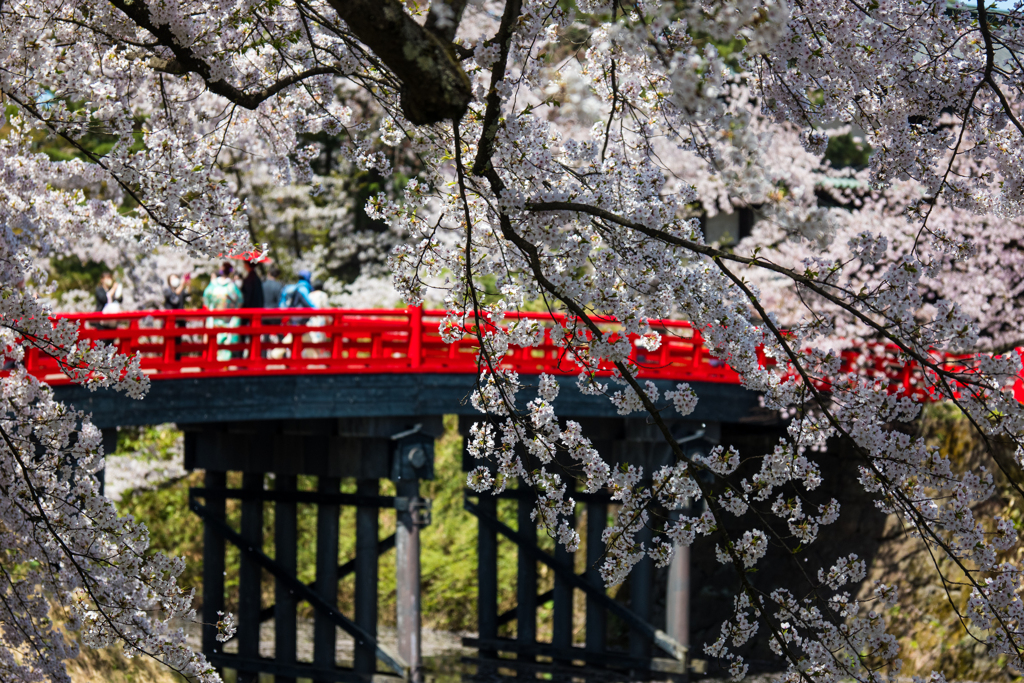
<point x="213" y="567"/>
<point x="367" y="529"/>
<point x="596" y="629"/>
<point x="324" y="629"/>
<point x="677" y="595"/>
<point x="620" y="642"/>
<point x="362" y="452"/>
<point x="286" y="552"/>
<point x="407" y="579"/>
<point x="250" y="574"/>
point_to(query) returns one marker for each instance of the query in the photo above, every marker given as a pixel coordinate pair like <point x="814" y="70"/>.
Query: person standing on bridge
<point x="174" y="292"/>
<point x="252" y="287"/>
<point x="109" y="294"/>
<point x="297" y="295"/>
<point x="222" y="292"/>
<point x="272" y="287"/>
<point x="219" y="295"/>
<point x="320" y="299"/>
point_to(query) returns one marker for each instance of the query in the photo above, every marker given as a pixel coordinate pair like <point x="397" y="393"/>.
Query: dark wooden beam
<point x="222" y="399"/>
<point x="324" y="634"/>
<point x="487" y="573"/>
<point x="317" y="497"/>
<point x="597" y="622"/>
<point x="526" y="576"/>
<point x="285" y="602"/>
<point x="213" y="567"/>
<point x="576" y="654"/>
<point x="562" y="610"/>
<point x="293" y="671"/>
<point x="366" y="564"/>
<point x="249" y="573"/>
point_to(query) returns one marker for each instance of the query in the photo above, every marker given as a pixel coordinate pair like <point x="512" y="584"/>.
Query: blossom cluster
<point x="574" y="180"/>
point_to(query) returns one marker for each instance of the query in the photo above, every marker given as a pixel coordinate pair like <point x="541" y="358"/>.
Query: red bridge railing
<point x="174" y="344"/>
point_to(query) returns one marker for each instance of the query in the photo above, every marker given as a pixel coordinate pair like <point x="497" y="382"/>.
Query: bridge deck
<point x="228" y="399"/>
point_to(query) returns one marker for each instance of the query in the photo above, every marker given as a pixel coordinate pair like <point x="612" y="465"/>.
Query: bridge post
<point x="407" y="577"/>
<point x="249" y="574"/>
<point x="641" y="581"/>
<point x="109" y="436"/>
<point x="286" y="553"/>
<point x="367" y="530"/>
<point x="597" y="514"/>
<point x="412" y="460"/>
<point x="487" y="577"/>
<point x="213" y="565"/>
<point x="526" y="578"/>
<point x="561" y="627"/>
<point x="677" y="596"/>
<point x="324" y="629"/>
<point x="415" y="336"/>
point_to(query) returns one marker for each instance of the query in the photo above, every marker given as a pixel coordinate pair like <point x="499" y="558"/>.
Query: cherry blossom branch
<point x="923" y="525"/>
<point x="187" y="61"/>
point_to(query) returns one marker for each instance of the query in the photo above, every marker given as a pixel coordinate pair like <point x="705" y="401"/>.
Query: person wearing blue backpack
<point x="297" y="295"/>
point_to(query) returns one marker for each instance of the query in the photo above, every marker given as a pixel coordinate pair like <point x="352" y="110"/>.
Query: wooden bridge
<point x="360" y="394"/>
<point x="362" y="363"/>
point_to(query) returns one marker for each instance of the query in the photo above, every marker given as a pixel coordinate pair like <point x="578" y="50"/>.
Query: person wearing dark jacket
<point x="272" y="288"/>
<point x="174" y="292"/>
<point x="108" y="294"/>
<point x="252" y="287"/>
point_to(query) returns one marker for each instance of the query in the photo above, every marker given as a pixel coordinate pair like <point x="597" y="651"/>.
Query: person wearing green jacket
<point x="221" y="294"/>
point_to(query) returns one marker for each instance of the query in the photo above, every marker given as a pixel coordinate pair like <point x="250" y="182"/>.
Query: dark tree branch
<point x="444" y="23"/>
<point x="186" y="61"/>
<point x="503" y="38"/>
<point x="434" y="86"/>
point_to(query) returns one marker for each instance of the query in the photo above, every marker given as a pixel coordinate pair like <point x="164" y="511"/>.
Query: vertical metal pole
<point x="677" y="598"/>
<point x="324" y="634"/>
<point x="213" y="565"/>
<point x="367" y="530"/>
<point x="561" y="635"/>
<point x="487" y="575"/>
<point x="640" y="594"/>
<point x="407" y="580"/>
<point x="249" y="576"/>
<point x="286" y="554"/>
<point x="526" y="578"/>
<point x="596" y="621"/>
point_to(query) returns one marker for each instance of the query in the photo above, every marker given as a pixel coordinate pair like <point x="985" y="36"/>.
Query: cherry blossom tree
<point x="560" y="156"/>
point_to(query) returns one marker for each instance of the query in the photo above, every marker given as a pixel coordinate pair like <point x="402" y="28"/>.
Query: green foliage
<point x="159" y="442"/>
<point x="845" y="151"/>
<point x="173" y="529"/>
<point x="70" y="272"/>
